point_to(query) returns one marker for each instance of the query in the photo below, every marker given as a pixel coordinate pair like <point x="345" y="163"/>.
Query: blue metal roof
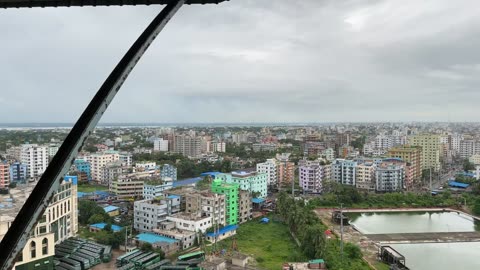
<point x="154" y="238"/>
<point x="223" y="230"/>
<point x="211" y="174"/>
<point x="110" y="208"/>
<point x="186" y="182"/>
<point x="458" y="184"/>
<point x="101" y="226"/>
<point x="257" y="200"/>
<point x="173" y="197"/>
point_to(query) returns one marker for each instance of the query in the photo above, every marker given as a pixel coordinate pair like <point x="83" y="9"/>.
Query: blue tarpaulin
<point x="265" y="220"/>
<point x="458" y="184"/>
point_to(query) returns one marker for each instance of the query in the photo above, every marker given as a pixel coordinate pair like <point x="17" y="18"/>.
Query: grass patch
<point x="270" y="244"/>
<point x="381" y="266"/>
<point x="91" y="188"/>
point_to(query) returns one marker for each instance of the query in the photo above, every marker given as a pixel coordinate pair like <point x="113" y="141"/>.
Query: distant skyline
<point x="248" y="61"/>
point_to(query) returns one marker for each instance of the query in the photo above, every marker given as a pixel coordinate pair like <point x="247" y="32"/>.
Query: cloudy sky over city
<point x="248" y="61"/>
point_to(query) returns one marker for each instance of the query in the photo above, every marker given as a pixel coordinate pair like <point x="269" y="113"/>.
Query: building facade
<point x="189" y="146"/>
<point x="312" y="175"/>
<point x="160" y="145"/>
<point x="251" y="181"/>
<point x="98" y="161"/>
<point x="36" y="159"/>
<point x="4" y="175"/>
<point x="231" y="192"/>
<point x="18" y="173"/>
<point x="168" y="171"/>
<point x="430" y="144"/>
<point x="344" y="171"/>
<point x="148" y="214"/>
<point x="269" y="168"/>
<point x="389" y="177"/>
<point x="413" y="156"/>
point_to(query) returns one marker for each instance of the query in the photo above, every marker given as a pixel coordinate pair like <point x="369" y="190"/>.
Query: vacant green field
<point x="270" y="244"/>
<point x="91" y="188"/>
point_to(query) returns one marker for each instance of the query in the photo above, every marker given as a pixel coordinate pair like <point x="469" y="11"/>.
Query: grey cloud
<point x="250" y="60"/>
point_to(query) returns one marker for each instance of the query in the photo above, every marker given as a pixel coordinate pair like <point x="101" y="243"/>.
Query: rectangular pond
<point x="412" y="222"/>
<point x="425" y="256"/>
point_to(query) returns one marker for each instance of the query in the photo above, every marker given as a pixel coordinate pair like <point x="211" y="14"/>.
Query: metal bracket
<point x="17" y="236"/>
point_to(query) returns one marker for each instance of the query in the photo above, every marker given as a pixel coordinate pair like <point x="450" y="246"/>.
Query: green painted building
<point x="231" y="199"/>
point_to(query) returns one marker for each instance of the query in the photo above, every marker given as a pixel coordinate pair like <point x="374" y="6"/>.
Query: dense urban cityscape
<point x="167" y="191"/>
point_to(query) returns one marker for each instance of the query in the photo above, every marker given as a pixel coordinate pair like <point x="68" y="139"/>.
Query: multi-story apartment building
<point x="126" y="186"/>
<point x="269" y="168"/>
<point x="389" y="177"/>
<point x="244" y="206"/>
<point x="430" y="144"/>
<point x="125" y="158"/>
<point x="59" y="222"/>
<point x="98" y="161"/>
<point x="413" y="156"/>
<point x="148" y="214"/>
<point x="469" y="148"/>
<point x="206" y="203"/>
<point x="168" y="171"/>
<point x="189" y="146"/>
<point x="191" y="222"/>
<point x="344" y="171"/>
<point x="145" y="166"/>
<point x="251" y="181"/>
<point x="160" y="145"/>
<point x="36" y="159"/>
<point x="14" y="153"/>
<point x="112" y="171"/>
<point x="155" y="188"/>
<point x="219" y="147"/>
<point x="365" y="176"/>
<point x="82" y="166"/>
<point x="475" y="159"/>
<point x="52" y="150"/>
<point x="239" y="138"/>
<point x="18" y="172"/>
<point x="285" y="169"/>
<point x="267" y="147"/>
<point x="231" y="192"/>
<point x="313" y="174"/>
<point x="4" y="175"/>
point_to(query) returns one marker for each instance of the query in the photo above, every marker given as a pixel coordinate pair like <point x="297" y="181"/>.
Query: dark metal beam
<point x="93" y="3"/>
<point x="16" y="238"/>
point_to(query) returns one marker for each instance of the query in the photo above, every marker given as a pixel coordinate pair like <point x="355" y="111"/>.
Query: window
<point x="33" y="252"/>
<point x="44" y="246"/>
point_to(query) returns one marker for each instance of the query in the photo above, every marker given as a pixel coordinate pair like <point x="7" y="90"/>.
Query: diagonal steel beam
<point x="17" y="236"/>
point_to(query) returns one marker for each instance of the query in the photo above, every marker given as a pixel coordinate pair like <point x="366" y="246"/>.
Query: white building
<point x="160" y="145"/>
<point x="148" y="214"/>
<point x="312" y="175"/>
<point x="269" y="168"/>
<point x="126" y="158"/>
<point x="145" y="166"/>
<point x="190" y="222"/>
<point x="344" y="171"/>
<point x="219" y="147"/>
<point x="36" y="159"/>
<point x="389" y="178"/>
<point x="98" y="161"/>
<point x="59" y="222"/>
<point x="154" y="189"/>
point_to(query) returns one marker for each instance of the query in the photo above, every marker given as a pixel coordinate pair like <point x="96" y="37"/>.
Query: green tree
<point x="353" y="251"/>
<point x="146" y="247"/>
<point x="468" y="166"/>
<point x="96" y="218"/>
<point x="476" y="207"/>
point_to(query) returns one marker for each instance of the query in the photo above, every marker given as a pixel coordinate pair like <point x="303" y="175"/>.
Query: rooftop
<point x="101" y="226"/>
<point x="223" y="230"/>
<point x="154" y="238"/>
<point x="110" y="208"/>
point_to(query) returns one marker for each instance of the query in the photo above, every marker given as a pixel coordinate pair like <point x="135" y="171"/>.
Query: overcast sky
<point x="248" y="61"/>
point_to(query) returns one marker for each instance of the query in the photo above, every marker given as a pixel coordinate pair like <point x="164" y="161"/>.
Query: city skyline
<point x="248" y="62"/>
